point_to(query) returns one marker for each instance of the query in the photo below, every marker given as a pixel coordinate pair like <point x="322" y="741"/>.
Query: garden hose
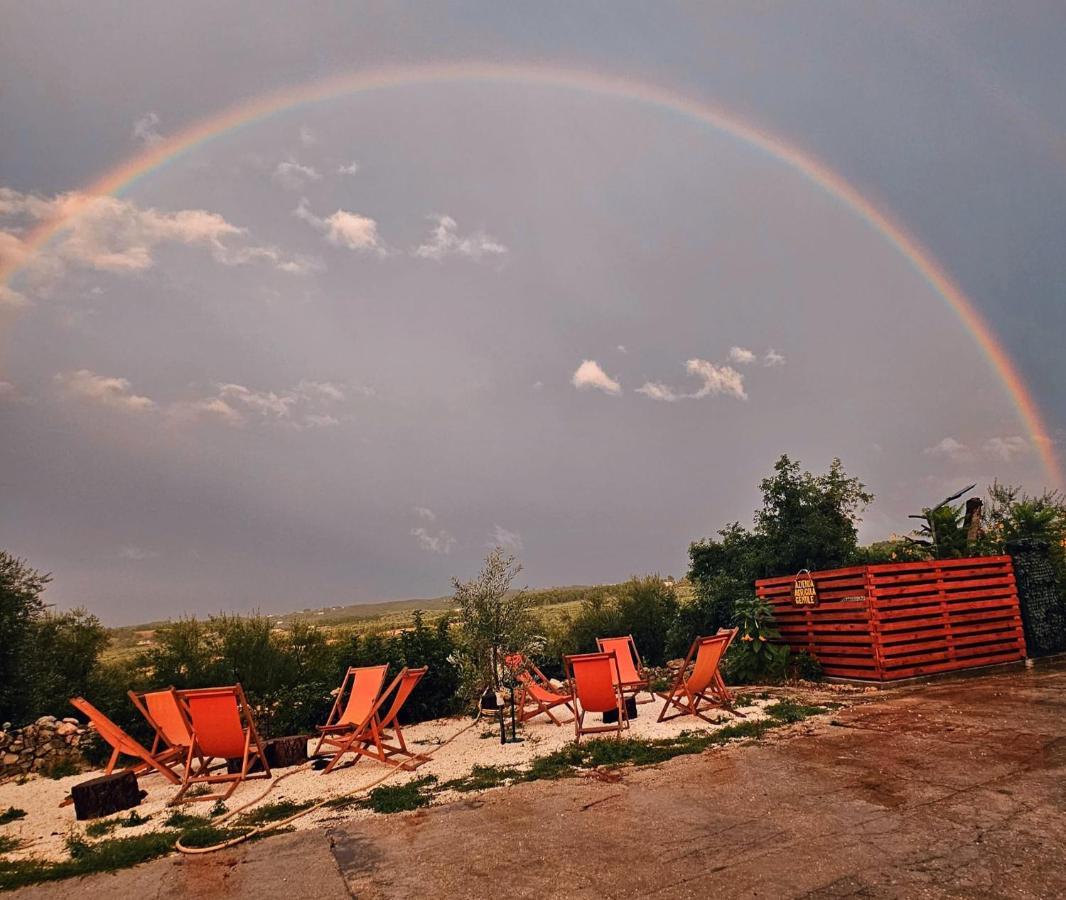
<point x="270" y="826"/>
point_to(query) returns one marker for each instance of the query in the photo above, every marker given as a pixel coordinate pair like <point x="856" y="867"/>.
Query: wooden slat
<point x="913" y="619"/>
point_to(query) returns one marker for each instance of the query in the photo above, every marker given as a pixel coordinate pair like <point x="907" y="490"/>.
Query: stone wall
<point x="40" y="746"/>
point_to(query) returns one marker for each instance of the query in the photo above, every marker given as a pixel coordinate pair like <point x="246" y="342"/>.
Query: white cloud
<point x="108" y="234"/>
<point x="1006" y="448"/>
<point x="446" y="241"/>
<point x="135" y="553"/>
<point x="589" y="376"/>
<point x="508" y="540"/>
<point x="741" y="355"/>
<point x="440" y="543"/>
<point x="103" y="390"/>
<point x="345" y="229"/>
<point x="7" y="389"/>
<point x="622" y="348"/>
<point x="146" y="131"/>
<point x="308" y="405"/>
<point x="307" y="137"/>
<point x="716" y="380"/>
<point x="293" y="175"/>
<point x="773" y="358"/>
<point x="349" y="169"/>
<point x="951" y="449"/>
<point x="424" y="512"/>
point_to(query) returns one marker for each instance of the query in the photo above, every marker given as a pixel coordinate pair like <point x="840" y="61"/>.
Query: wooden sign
<point x="804" y="592"/>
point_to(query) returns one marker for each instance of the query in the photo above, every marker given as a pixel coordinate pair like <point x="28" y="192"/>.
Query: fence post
<point x="1040" y="595"/>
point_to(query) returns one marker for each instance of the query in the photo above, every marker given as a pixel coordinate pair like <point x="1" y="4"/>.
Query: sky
<point x="337" y="353"/>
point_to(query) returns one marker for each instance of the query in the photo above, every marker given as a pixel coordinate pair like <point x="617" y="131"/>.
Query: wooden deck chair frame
<point x="642" y="683"/>
<point x="579" y="711"/>
<point x="727" y="694"/>
<point x="370" y="738"/>
<point x="123" y="745"/>
<point x="536" y="696"/>
<point x="334" y="721"/>
<point x="253" y="748"/>
<point x="688" y="699"/>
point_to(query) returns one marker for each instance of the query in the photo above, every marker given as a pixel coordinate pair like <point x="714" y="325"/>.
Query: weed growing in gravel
<point x="11" y="814"/>
<point x="391" y="798"/>
<point x="273" y="812"/>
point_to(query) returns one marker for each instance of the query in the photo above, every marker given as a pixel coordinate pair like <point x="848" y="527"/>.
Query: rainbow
<point x="125" y="176"/>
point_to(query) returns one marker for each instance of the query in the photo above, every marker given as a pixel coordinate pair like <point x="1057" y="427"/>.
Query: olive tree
<point x="492" y="621"/>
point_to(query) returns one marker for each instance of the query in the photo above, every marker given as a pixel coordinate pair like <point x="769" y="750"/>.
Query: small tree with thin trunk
<point x="493" y="621"/>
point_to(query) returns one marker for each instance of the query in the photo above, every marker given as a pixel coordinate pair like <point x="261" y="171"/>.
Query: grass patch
<point x="218" y="808"/>
<point x="11" y="814"/>
<point x="180" y="819"/>
<point x="273" y="812"/>
<point x="8" y="843"/>
<point x="394" y="798"/>
<point x="133" y="820"/>
<point x="481" y="778"/>
<point x="788" y="711"/>
<point x="208" y="835"/>
<point x="61" y="767"/>
<point x="86" y="858"/>
<point x="100" y="827"/>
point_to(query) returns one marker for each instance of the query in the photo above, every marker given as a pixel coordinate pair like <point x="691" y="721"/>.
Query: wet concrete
<point x="953" y="789"/>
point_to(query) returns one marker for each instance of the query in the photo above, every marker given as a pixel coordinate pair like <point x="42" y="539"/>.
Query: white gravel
<point x="44" y="830"/>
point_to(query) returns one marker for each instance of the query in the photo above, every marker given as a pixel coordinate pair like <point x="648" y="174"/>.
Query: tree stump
<point x="106" y="795"/>
<point x="611" y="716"/>
<point x="286" y="751"/>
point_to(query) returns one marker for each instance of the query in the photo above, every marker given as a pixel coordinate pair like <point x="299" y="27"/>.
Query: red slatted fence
<point x="900" y="620"/>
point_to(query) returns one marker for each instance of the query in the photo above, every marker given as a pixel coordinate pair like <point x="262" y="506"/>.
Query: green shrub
<point x="392" y="798"/>
<point x="754" y="657"/>
<point x="807" y="667"/>
<point x="644" y="607"/>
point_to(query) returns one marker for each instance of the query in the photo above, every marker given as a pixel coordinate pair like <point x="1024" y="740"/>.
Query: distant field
<point x="387" y="615"/>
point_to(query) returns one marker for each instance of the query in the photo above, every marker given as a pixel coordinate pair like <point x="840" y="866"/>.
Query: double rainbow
<point x="123" y="177"/>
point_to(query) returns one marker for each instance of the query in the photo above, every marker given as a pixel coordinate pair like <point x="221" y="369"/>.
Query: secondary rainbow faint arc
<point x="549" y="75"/>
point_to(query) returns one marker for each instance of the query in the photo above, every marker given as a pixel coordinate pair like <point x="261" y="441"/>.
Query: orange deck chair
<point x="597" y="689"/>
<point x="630" y="669"/>
<point x="164" y="711"/>
<point x="730" y="633"/>
<point x="359" y="692"/>
<point x="369" y="738"/>
<point x="535" y="693"/>
<point x="704" y="688"/>
<point x="222" y="728"/>
<point x="124" y="745"/>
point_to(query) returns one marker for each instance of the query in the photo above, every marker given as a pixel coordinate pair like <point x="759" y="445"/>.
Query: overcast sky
<point x="336" y="354"/>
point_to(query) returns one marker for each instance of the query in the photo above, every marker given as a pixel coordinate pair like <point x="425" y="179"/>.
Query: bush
<point x="644" y="607"/>
<point x="754" y="657"/>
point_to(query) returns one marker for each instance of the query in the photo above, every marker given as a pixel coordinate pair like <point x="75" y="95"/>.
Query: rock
<point x="10" y="759"/>
<point x="46" y="720"/>
<point x="65" y="728"/>
<point x="7" y="726"/>
<point x="70" y="720"/>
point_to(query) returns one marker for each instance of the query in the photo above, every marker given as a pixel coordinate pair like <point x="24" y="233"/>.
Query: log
<point x="611" y="716"/>
<point x="281" y="752"/>
<point x="106" y="795"/>
<point x="286" y="751"/>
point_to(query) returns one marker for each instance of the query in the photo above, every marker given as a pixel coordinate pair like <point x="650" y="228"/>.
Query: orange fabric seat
<point x="630" y="669"/>
<point x="123" y="745"/>
<point x="704" y="688"/>
<point x="359" y="691"/>
<point x="597" y="688"/>
<point x="222" y="728"/>
<point x="164" y="711"/>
